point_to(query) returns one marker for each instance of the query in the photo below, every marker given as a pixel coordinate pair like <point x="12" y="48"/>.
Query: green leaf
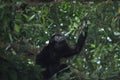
<point x="2" y="6"/>
<point x="17" y="28"/>
<point x="31" y="18"/>
<point x="92" y="45"/>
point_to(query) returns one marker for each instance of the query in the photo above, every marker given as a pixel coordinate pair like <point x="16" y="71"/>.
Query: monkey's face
<point x="58" y="41"/>
<point x="59" y="38"/>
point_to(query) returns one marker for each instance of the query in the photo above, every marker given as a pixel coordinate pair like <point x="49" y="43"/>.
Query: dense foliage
<point x="25" y="30"/>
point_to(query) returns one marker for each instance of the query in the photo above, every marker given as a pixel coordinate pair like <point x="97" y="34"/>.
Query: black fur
<point x="49" y="57"/>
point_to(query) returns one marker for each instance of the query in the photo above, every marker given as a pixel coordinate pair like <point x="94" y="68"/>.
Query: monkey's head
<point x="58" y="41"/>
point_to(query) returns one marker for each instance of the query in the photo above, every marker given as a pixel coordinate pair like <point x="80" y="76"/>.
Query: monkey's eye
<point x="58" y="38"/>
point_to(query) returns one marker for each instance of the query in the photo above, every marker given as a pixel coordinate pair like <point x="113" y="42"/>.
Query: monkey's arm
<point x="75" y="49"/>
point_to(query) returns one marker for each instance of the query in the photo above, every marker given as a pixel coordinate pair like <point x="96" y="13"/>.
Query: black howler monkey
<point x="49" y="57"/>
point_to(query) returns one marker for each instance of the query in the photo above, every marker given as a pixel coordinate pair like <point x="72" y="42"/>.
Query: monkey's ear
<point x="51" y="39"/>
